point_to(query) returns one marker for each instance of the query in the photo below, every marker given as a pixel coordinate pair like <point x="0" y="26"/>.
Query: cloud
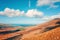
<point x="34" y="13"/>
<point x="47" y="18"/>
<point x="47" y="2"/>
<point x="53" y="6"/>
<point x="55" y="16"/>
<point x="11" y="12"/>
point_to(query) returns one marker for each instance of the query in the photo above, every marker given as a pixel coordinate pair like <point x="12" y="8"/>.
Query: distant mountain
<point x="5" y="26"/>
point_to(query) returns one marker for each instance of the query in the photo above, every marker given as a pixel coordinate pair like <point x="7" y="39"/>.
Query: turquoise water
<point x="23" y="25"/>
<point x="15" y="25"/>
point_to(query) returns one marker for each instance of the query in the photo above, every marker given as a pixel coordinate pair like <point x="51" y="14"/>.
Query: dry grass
<point x="49" y="35"/>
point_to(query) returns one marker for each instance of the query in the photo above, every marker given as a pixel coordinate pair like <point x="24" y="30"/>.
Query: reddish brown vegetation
<point x="9" y="29"/>
<point x="50" y="35"/>
<point x="39" y="29"/>
<point x="6" y="36"/>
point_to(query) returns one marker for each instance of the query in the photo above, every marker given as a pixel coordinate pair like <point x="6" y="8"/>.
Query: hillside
<point x="39" y="29"/>
<point x="49" y="35"/>
<point x="46" y="31"/>
<point x="42" y="27"/>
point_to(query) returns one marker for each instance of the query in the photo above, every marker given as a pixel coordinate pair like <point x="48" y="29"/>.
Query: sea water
<point x="23" y="25"/>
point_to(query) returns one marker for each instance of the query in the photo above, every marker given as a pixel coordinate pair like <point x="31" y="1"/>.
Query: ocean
<point x="23" y="25"/>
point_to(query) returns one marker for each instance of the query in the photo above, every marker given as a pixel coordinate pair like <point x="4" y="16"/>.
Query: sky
<point x="28" y="11"/>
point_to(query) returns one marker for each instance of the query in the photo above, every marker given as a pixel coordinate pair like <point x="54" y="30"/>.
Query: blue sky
<point x="28" y="11"/>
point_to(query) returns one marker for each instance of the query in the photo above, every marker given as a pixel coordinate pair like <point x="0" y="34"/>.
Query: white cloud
<point x="47" y="18"/>
<point x="34" y="13"/>
<point x="53" y="6"/>
<point x="30" y="13"/>
<point x="43" y="2"/>
<point x="11" y="12"/>
<point x="47" y="2"/>
<point x="55" y="16"/>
